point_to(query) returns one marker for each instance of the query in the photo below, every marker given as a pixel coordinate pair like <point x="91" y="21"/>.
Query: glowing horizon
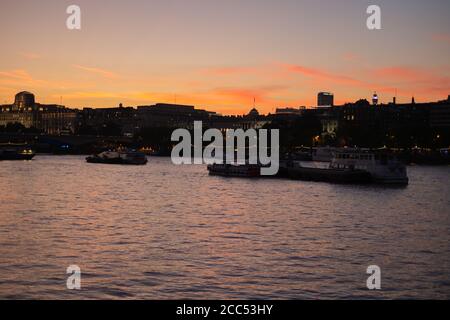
<point x="219" y="56"/>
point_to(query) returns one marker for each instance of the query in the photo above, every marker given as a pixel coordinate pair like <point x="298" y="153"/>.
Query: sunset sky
<point x="219" y="55"/>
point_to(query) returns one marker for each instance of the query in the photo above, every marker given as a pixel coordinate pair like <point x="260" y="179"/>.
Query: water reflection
<point x="166" y="232"/>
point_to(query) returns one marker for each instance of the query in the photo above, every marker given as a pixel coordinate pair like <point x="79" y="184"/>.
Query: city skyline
<point x="216" y="57"/>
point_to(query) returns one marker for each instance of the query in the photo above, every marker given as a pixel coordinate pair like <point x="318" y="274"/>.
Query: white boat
<point x="384" y="168"/>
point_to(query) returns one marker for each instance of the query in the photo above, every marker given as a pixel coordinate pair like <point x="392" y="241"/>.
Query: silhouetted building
<point x="24" y="101"/>
<point x="440" y="115"/>
<point x="253" y="120"/>
<point x="361" y="119"/>
<point x="290" y="111"/>
<point x="50" y="118"/>
<point x="254" y="113"/>
<point x="171" y="115"/>
<point x="93" y="120"/>
<point x="325" y="99"/>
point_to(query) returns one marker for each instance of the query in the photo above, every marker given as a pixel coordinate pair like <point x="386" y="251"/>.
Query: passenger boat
<point x="323" y="154"/>
<point x="309" y="172"/>
<point x="382" y="167"/>
<point x="235" y="170"/>
<point x="119" y="157"/>
<point x="16" y="152"/>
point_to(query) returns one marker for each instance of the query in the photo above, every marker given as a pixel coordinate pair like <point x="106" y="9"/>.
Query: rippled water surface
<point x="168" y="232"/>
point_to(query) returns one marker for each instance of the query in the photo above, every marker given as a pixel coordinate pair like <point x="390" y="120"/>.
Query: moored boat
<point x="299" y="171"/>
<point x="119" y="157"/>
<point x="383" y="167"/>
<point x="323" y="154"/>
<point x="348" y="165"/>
<point x="12" y="152"/>
<point x="235" y="170"/>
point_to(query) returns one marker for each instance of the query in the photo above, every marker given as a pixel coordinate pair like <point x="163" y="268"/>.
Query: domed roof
<point x="254" y="111"/>
<point x="24" y="93"/>
<point x="24" y="99"/>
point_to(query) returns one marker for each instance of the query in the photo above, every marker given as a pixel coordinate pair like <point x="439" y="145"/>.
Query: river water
<point x="172" y="232"/>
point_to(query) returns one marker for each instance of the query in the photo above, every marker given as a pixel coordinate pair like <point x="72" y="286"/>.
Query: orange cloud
<point x="243" y="95"/>
<point x="225" y="100"/>
<point x="98" y="71"/>
<point x="19" y="79"/>
<point x="16" y="74"/>
<point x="297" y="85"/>
<point x="92" y="95"/>
<point x="14" y="81"/>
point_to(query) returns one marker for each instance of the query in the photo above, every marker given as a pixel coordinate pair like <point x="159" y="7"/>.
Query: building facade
<point x="50" y="119"/>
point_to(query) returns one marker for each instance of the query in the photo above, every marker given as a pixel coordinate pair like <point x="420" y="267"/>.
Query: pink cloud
<point x="401" y="79"/>
<point x="415" y="80"/>
<point x="319" y="74"/>
<point x="402" y="73"/>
